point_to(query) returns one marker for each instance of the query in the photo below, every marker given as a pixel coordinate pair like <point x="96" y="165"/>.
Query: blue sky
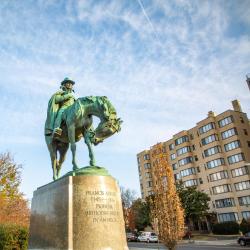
<point x="163" y="65"/>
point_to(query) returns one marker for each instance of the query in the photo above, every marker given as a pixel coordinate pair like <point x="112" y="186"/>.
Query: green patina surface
<point x="89" y="170"/>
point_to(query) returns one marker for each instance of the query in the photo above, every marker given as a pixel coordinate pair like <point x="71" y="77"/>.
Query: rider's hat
<point x="66" y="79"/>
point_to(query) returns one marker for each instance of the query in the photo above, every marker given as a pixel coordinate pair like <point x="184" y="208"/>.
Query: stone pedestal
<point x="78" y="212"/>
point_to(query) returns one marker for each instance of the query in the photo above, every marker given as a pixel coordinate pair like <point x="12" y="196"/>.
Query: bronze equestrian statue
<point x="69" y="120"/>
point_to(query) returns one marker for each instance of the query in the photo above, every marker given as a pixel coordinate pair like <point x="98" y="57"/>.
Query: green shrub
<point x="245" y="226"/>
<point x="229" y="227"/>
<point x="13" y="237"/>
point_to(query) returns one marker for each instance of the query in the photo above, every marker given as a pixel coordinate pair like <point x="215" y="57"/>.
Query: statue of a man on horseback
<point x="69" y="120"/>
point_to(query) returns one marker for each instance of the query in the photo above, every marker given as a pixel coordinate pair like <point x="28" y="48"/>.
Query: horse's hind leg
<point x="62" y="151"/>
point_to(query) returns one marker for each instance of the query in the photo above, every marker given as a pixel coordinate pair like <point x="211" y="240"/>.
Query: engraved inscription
<point x="104" y="206"/>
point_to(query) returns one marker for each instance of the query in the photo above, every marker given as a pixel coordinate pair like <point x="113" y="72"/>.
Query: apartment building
<point x="214" y="156"/>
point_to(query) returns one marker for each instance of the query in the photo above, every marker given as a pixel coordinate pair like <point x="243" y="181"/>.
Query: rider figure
<point x="58" y="103"/>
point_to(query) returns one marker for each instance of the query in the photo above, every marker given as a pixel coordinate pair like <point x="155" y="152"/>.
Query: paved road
<point x="153" y="246"/>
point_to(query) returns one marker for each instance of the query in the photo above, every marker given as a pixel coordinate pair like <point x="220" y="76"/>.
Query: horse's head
<point x="110" y="124"/>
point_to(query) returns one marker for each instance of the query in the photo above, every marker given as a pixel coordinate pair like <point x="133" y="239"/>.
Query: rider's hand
<point x="68" y="96"/>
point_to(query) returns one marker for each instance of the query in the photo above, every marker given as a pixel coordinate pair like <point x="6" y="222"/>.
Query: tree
<point x="194" y="202"/>
<point x="13" y="206"/>
<point x="140" y="212"/>
<point x="165" y="204"/>
<point x="127" y="196"/>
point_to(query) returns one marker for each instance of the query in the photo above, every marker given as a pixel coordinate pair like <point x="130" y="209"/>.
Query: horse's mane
<point x="78" y="106"/>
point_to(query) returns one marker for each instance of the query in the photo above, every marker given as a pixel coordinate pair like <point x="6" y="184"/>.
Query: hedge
<point x="13" y="237"/>
<point x="245" y="226"/>
<point x="225" y="228"/>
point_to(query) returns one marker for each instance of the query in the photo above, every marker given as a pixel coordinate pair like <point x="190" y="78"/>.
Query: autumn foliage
<point x="13" y="206"/>
<point x="166" y="208"/>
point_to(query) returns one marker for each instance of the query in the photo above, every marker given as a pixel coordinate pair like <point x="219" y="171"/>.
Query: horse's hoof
<point x="75" y="168"/>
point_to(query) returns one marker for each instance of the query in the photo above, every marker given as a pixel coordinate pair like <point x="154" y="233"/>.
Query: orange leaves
<point x="166" y="206"/>
<point x="13" y="207"/>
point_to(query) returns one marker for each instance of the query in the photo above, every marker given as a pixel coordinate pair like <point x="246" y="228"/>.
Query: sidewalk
<point x="210" y="242"/>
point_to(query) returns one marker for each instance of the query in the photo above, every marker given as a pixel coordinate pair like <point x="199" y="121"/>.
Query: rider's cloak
<point x="52" y="111"/>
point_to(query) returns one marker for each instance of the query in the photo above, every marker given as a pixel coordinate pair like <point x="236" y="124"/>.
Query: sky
<point x="162" y="64"/>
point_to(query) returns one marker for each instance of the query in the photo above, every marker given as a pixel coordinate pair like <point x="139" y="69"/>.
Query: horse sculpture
<point x="76" y="124"/>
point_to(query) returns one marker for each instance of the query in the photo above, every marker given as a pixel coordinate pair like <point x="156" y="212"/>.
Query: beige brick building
<point x="214" y="156"/>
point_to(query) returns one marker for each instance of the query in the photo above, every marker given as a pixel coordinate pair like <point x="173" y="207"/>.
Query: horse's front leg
<point x="62" y="151"/>
<point x="91" y="153"/>
<point x="71" y="135"/>
<point x="52" y="151"/>
<point x="54" y="163"/>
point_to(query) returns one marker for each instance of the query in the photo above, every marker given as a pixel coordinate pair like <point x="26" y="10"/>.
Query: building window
<point x="138" y="160"/>
<point x="177" y="176"/>
<point x="232" y="145"/>
<point x="147" y="165"/>
<point x="193" y="147"/>
<point x="212" y="151"/>
<point x="225" y="121"/>
<point x="215" y="163"/>
<point x="164" y="150"/>
<point x="146" y="157"/>
<point x="227" y="217"/>
<point x="148" y="175"/>
<point x="191" y="136"/>
<point x="174" y="166"/>
<point x="181" y="140"/>
<point x="235" y="158"/>
<point x="190" y="183"/>
<point x="239" y="171"/>
<point x="150" y="192"/>
<point x="242" y="185"/>
<point x="218" y="176"/>
<point x="139" y="168"/>
<point x="244" y="200"/>
<point x="173" y="156"/>
<point x="185" y="161"/>
<point x="206" y="128"/>
<point x="187" y="172"/>
<point x="228" y="133"/>
<point x="246" y="215"/>
<point x="183" y="150"/>
<point x="228" y="202"/>
<point x="200" y="180"/>
<point x="171" y="146"/>
<point x="222" y="189"/>
<point x="209" y="139"/>
<point x="198" y="169"/>
<point x="149" y="184"/>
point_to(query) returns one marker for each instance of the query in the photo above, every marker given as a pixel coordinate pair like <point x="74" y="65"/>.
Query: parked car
<point x="244" y="240"/>
<point x="131" y="237"/>
<point x="148" y="237"/>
